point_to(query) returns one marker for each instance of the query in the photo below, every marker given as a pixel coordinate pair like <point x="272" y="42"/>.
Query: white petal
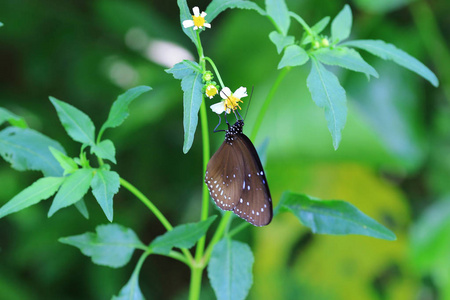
<point x="207" y="25"/>
<point x="188" y="23"/>
<point x="218" y="108"/>
<point x="241" y="92"/>
<point x="225" y="93"/>
<point x="196" y="11"/>
<point x="203" y="14"/>
<point x="195" y="27"/>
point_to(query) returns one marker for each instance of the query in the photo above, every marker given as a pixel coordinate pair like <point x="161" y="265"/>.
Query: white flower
<point x="230" y="100"/>
<point x="198" y="20"/>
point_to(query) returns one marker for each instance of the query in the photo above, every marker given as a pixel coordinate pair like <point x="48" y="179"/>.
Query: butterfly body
<point x="236" y="179"/>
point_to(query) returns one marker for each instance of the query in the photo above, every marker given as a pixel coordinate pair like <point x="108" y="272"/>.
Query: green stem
<point x="215" y="71"/>
<point x="217" y="235"/>
<point x="238" y="229"/>
<point x="302" y="22"/>
<point x="267" y="101"/>
<point x="196" y="283"/>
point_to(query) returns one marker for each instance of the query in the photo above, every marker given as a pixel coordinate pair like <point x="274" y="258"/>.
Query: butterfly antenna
<point x="215" y="129"/>
<point x="248" y="105"/>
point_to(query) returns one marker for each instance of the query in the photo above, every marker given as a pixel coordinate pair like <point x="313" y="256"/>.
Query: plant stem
<point x="215" y="71"/>
<point x="238" y="229"/>
<point x="267" y="101"/>
<point x="302" y="22"/>
<point x="217" y="235"/>
<point x="196" y="283"/>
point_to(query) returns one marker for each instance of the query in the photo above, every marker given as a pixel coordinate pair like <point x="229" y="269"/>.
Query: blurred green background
<point x="393" y="162"/>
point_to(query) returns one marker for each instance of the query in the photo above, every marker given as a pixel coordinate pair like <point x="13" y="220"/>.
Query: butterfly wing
<point x="224" y="176"/>
<point x="254" y="203"/>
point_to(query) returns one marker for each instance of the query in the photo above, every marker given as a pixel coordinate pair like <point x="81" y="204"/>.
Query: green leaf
<point x="390" y="52"/>
<point x="131" y="291"/>
<point x="184" y="68"/>
<point x="81" y="207"/>
<point x="105" y="149"/>
<point x="332" y="217"/>
<point x="346" y="58"/>
<point x="119" y="109"/>
<point x="328" y="94"/>
<point x="41" y="189"/>
<point x="280" y="40"/>
<point x="218" y="6"/>
<point x="342" y="24"/>
<point x="430" y="237"/>
<point x="27" y="149"/>
<point x="230" y="269"/>
<point x="191" y="84"/>
<point x="67" y="163"/>
<point x="112" y="245"/>
<point x="74" y="187"/>
<point x="105" y="185"/>
<point x="278" y="11"/>
<point x="317" y="28"/>
<point x="293" y="56"/>
<point x="186" y="14"/>
<point x="13" y="119"/>
<point x="182" y="236"/>
<point x="77" y="124"/>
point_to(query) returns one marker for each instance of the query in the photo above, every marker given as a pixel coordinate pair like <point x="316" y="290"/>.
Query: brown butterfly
<point x="236" y="179"/>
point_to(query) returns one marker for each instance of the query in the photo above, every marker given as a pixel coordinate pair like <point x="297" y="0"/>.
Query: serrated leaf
<point x="184" y="68"/>
<point x="131" y="290"/>
<point x="105" y="185"/>
<point x="112" y="245"/>
<point x="40" y="190"/>
<point x="182" y="236"/>
<point x="67" y="163"/>
<point x="76" y="123"/>
<point x="320" y="26"/>
<point x="81" y="207"/>
<point x="332" y="217"/>
<point x="119" y="109"/>
<point x="186" y="14"/>
<point x="346" y="58"/>
<point x="230" y="269"/>
<point x="106" y="150"/>
<point x="191" y="84"/>
<point x="280" y="40"/>
<point x="13" y="119"/>
<point x="293" y="56"/>
<point x="328" y="94"/>
<point x="342" y="24"/>
<point x="390" y="52"/>
<point x="74" y="187"/>
<point x="218" y="6"/>
<point x="278" y="11"/>
<point x="27" y="149"/>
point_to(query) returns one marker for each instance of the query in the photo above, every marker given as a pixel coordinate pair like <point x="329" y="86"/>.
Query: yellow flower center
<point x="211" y="91"/>
<point x="232" y="102"/>
<point x="198" y="21"/>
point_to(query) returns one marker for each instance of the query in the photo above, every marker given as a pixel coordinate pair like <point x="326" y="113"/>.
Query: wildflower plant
<point x="71" y="178"/>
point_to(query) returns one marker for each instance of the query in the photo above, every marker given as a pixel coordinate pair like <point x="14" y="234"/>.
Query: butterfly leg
<point x="215" y="129"/>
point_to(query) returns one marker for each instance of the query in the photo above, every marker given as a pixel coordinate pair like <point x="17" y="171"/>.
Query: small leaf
<point x="182" y="236"/>
<point x="131" y="290"/>
<point x="390" y="52"/>
<point x="317" y="28"/>
<point x="293" y="56"/>
<point x="77" y="124"/>
<point x="186" y="14"/>
<point x="106" y="150"/>
<point x="191" y="84"/>
<point x="105" y="185"/>
<point x="67" y="163"/>
<point x="332" y="217"/>
<point x="184" y="68"/>
<point x="27" y="149"/>
<point x="112" y="245"/>
<point x="81" y="207"/>
<point x="280" y="40"/>
<point x="346" y="58"/>
<point x="218" y="6"/>
<point x="328" y="94"/>
<point x="230" y="269"/>
<point x="75" y="186"/>
<point x="13" y="119"/>
<point x="342" y="24"/>
<point x="278" y="11"/>
<point x="119" y="109"/>
<point x="41" y="189"/>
